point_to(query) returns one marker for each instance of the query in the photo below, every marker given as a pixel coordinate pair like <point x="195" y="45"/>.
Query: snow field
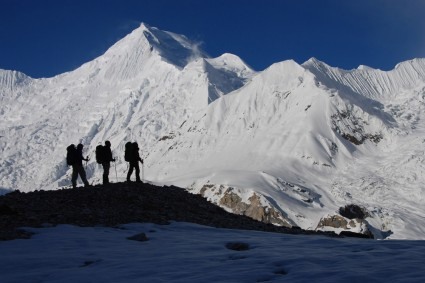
<point x="182" y="252"/>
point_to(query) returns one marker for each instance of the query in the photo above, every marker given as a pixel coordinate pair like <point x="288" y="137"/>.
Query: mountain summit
<point x="294" y="145"/>
<point x="142" y="49"/>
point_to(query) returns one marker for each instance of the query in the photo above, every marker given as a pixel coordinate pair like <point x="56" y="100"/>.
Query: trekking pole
<point x="116" y="176"/>
<point x="143" y="171"/>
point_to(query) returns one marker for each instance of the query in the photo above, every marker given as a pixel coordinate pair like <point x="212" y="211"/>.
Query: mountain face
<point x="295" y="145"/>
<point x="305" y="144"/>
<point x="141" y="89"/>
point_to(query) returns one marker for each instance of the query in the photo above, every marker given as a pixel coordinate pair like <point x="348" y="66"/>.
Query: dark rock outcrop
<point x="353" y="211"/>
<point x="117" y="204"/>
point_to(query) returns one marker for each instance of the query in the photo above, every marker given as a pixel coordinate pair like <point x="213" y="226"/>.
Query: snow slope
<point x="300" y="140"/>
<point x="183" y="252"/>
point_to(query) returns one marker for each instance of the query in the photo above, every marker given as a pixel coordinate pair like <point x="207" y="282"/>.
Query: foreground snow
<point x="183" y="252"/>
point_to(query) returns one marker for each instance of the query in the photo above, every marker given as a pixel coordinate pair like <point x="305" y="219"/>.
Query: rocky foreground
<point x="117" y="204"/>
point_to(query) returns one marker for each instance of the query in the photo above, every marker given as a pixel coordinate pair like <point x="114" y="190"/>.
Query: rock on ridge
<point x="117" y="204"/>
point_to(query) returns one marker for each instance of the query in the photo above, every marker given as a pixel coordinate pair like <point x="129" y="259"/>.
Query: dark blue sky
<point x="47" y="37"/>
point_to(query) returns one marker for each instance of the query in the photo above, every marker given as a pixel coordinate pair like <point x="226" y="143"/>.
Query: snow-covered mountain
<point x="308" y="140"/>
<point x="142" y="88"/>
<point x="299" y="145"/>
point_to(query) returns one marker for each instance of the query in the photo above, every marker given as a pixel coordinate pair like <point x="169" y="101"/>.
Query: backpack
<point x="128" y="153"/>
<point x="71" y="155"/>
<point x="100" y="154"/>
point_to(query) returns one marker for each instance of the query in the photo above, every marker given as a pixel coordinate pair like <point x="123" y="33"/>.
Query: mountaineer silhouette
<point x="132" y="156"/>
<point x="104" y="157"/>
<point x="75" y="158"/>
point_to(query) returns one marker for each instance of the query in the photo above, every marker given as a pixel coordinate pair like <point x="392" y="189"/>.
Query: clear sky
<point x="44" y="38"/>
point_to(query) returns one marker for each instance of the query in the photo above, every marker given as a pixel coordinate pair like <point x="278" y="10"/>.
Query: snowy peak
<point x="11" y="79"/>
<point x="143" y="49"/>
<point x="226" y="74"/>
<point x="231" y="63"/>
<point x="372" y="83"/>
<point x="287" y="74"/>
<point x="173" y="48"/>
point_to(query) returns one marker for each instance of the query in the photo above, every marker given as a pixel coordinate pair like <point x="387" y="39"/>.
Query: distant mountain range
<point x="295" y="145"/>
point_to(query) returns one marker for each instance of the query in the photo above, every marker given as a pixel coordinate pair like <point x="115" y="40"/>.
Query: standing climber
<point x="132" y="156"/>
<point x="77" y="167"/>
<point x="106" y="164"/>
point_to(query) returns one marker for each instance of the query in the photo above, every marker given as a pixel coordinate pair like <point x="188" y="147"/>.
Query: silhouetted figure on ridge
<point x="132" y="156"/>
<point x="106" y="162"/>
<point x="77" y="167"/>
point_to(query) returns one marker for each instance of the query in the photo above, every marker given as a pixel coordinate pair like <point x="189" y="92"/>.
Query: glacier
<point x="302" y="140"/>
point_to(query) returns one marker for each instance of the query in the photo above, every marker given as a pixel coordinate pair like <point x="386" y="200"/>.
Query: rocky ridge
<point x="117" y="204"/>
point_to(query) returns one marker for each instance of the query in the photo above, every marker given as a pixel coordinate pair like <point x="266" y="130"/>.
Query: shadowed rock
<point x="117" y="204"/>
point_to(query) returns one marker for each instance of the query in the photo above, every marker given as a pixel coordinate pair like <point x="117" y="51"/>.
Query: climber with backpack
<point x="71" y="154"/>
<point x="132" y="156"/>
<point x="74" y="158"/>
<point x="104" y="157"/>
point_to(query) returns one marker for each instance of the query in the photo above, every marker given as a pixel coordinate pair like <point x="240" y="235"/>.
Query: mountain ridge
<point x="370" y="82"/>
<point x="118" y="204"/>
